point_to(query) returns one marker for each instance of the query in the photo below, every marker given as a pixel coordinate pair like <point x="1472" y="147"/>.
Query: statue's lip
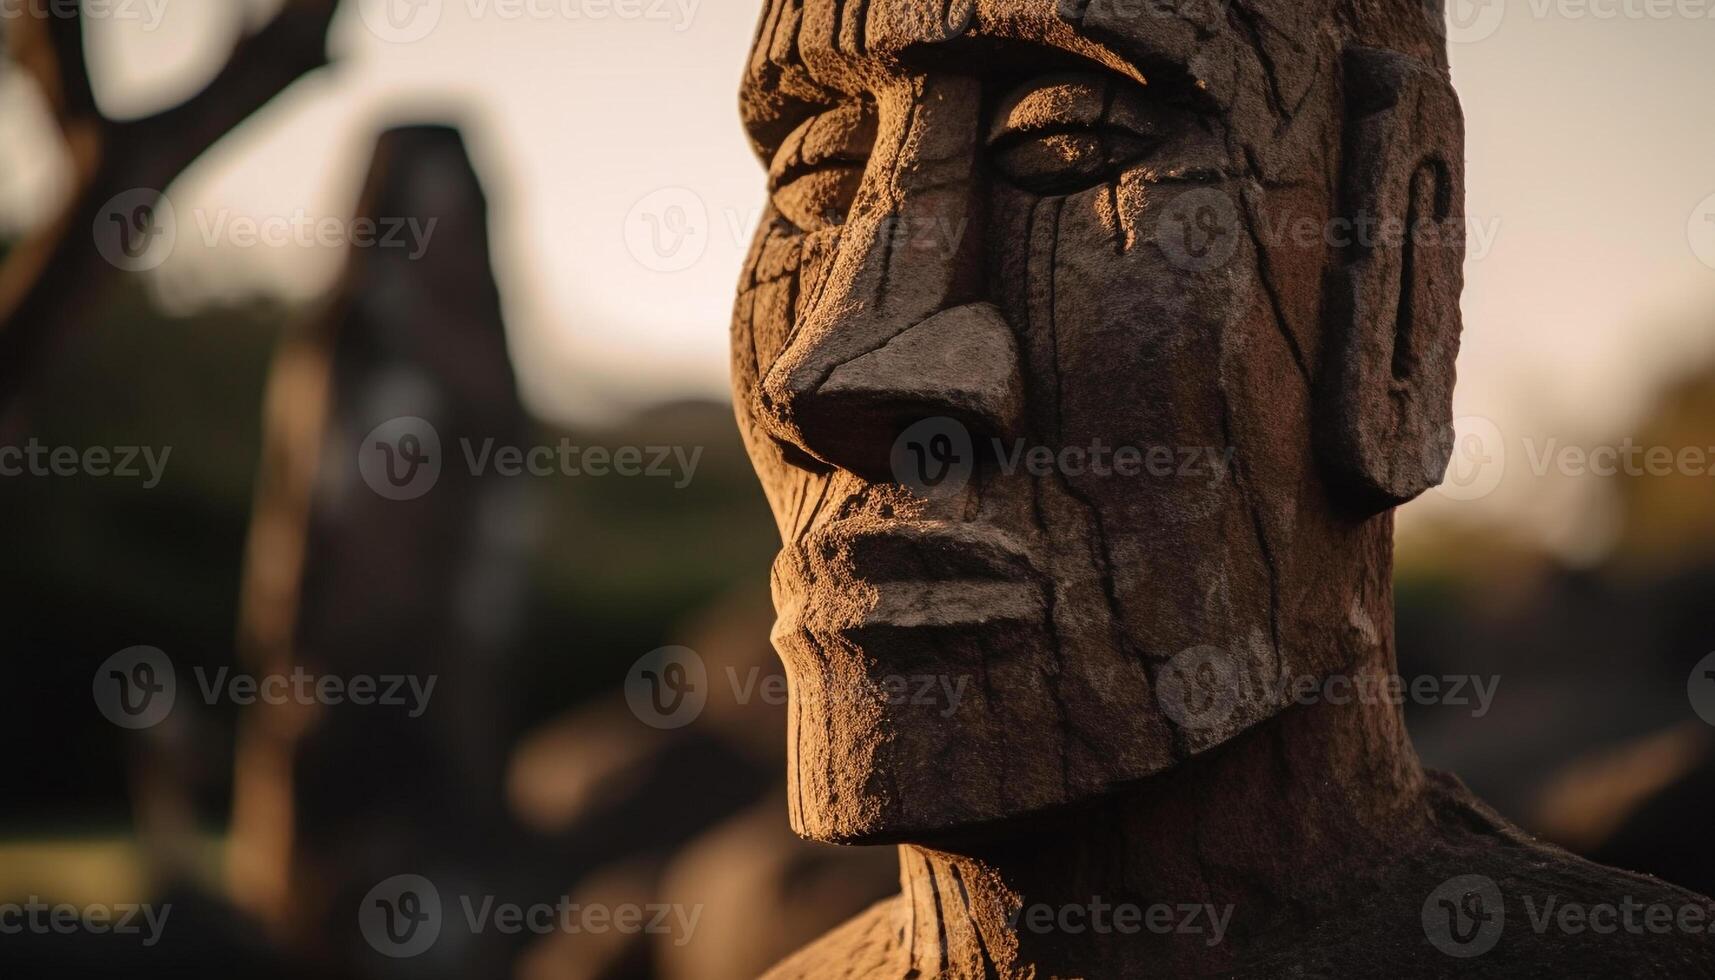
<point x="882" y="550"/>
<point x="860" y="575"/>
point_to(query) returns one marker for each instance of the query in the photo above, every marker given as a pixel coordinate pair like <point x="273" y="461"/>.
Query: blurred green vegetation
<point x="94" y="565"/>
<point x="97" y="564"/>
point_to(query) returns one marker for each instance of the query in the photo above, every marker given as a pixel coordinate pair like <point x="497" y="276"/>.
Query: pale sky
<point x="1591" y="148"/>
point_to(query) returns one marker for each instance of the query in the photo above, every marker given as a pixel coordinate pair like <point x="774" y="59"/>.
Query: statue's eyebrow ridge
<point x="1160" y="74"/>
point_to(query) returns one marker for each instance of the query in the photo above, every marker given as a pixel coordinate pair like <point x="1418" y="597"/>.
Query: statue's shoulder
<point x="1481" y="897"/>
<point x="1559" y="908"/>
<point x="871" y="944"/>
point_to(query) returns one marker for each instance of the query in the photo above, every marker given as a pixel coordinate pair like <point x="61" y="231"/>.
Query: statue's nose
<point x="960" y="363"/>
<point x="899" y="330"/>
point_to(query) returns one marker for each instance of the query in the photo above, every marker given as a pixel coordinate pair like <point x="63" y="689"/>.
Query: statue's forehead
<point x="880" y="25"/>
<point x="1250" y="62"/>
<point x="1138" y="37"/>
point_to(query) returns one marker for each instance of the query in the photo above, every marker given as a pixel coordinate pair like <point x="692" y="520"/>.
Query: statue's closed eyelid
<point x="815" y="175"/>
<point x="1061" y="134"/>
<point x="1074" y="103"/>
<point x="843" y="135"/>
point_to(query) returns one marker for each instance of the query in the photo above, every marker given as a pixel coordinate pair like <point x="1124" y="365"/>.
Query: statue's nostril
<point x="795" y="455"/>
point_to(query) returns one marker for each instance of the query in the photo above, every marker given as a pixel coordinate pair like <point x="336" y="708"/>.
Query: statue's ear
<point x="1385" y="428"/>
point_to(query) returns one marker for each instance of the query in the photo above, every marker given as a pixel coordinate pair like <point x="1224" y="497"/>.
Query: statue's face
<point x="1021" y="356"/>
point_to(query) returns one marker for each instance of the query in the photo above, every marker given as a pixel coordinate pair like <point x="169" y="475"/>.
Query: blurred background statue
<point x="361" y="564"/>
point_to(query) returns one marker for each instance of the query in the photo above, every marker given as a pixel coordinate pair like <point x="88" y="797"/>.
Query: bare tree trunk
<point x="52" y="279"/>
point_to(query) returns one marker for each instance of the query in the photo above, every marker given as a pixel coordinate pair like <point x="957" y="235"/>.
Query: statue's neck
<point x="1173" y="874"/>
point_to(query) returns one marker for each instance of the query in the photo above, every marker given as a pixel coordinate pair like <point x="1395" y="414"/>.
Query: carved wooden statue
<point x="1084" y="352"/>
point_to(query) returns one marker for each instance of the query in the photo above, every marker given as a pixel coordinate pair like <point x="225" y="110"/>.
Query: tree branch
<point x="49" y="282"/>
<point x="50" y="50"/>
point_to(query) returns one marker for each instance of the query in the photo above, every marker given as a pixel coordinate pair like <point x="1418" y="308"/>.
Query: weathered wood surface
<point x="1232" y="232"/>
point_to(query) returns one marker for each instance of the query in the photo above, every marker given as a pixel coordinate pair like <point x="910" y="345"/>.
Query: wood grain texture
<point x="1221" y="235"/>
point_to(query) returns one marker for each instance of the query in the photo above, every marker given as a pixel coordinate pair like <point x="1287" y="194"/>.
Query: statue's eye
<point x="815" y="176"/>
<point x="1066" y="133"/>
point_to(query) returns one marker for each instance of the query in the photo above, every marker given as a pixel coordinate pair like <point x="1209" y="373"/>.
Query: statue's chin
<point x="900" y="774"/>
<point x="834" y="827"/>
<point x="921" y="818"/>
